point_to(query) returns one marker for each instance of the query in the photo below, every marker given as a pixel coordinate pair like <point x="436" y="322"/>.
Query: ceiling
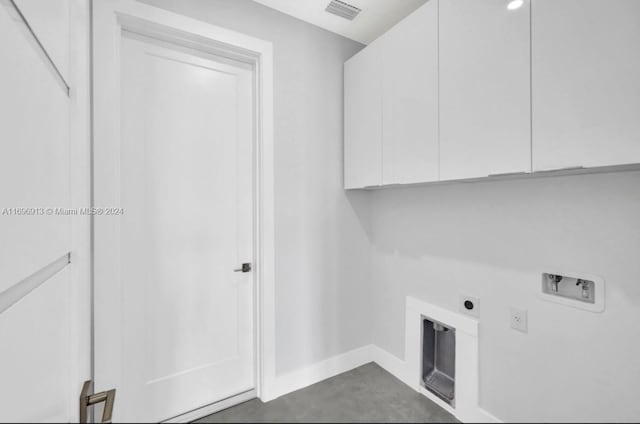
<point x="376" y="18"/>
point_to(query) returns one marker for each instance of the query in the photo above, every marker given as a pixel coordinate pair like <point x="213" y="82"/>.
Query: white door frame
<point x="110" y="18"/>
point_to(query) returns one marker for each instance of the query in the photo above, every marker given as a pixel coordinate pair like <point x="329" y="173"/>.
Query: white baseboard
<point x="402" y="371"/>
<point x="393" y="365"/>
<point x="347" y="361"/>
<point x="322" y="370"/>
<point x="196" y="414"/>
<point x="399" y="369"/>
<point x="488" y="418"/>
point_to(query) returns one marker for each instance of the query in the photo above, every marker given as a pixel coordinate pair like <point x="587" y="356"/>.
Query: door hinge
<point x="87" y="400"/>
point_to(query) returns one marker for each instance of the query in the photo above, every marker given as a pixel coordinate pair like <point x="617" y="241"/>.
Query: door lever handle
<point x="87" y="400"/>
<point x="246" y="267"/>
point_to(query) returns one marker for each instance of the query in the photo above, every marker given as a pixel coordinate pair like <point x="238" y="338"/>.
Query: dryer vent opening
<point x="439" y="359"/>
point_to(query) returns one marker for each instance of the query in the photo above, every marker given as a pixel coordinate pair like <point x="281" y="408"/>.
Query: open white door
<point x="174" y="311"/>
<point x="44" y="253"/>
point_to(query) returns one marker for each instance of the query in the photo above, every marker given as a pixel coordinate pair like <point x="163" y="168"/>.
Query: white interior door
<point x="39" y="290"/>
<point x="174" y="322"/>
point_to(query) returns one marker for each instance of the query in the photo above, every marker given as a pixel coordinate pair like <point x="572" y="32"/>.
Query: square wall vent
<point x="342" y="9"/>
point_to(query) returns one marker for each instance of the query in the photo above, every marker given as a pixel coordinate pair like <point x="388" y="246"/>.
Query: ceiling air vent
<point x="342" y="9"/>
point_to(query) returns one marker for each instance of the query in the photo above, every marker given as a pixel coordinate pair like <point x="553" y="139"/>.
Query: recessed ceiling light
<point x="515" y="4"/>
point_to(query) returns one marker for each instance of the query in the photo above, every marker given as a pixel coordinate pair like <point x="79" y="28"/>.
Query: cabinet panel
<point x="485" y="102"/>
<point x="586" y="94"/>
<point x="363" y="119"/>
<point x="37" y="333"/>
<point x="410" y="98"/>
<point x="34" y="158"/>
<point x="49" y="20"/>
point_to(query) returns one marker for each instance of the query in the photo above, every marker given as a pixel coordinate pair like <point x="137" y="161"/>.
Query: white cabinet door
<point x="49" y="21"/>
<point x="363" y="119"/>
<point x="485" y="102"/>
<point x="586" y="83"/>
<point x="410" y="98"/>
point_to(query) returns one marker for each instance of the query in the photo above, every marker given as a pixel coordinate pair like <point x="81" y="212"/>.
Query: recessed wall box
<point x="573" y="289"/>
<point x="439" y="360"/>
<point x="469" y="305"/>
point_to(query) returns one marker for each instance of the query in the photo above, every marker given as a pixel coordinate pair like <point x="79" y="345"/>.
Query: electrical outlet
<point x="469" y="305"/>
<point x="519" y="320"/>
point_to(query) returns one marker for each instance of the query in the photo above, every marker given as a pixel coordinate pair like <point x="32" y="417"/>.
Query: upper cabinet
<point x="465" y="89"/>
<point x="410" y="98"/>
<point x="586" y="83"/>
<point x="391" y="105"/>
<point x="363" y="119"/>
<point x="485" y="102"/>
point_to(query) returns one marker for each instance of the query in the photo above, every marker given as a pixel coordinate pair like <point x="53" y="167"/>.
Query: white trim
<point x="110" y="17"/>
<point x="265" y="268"/>
<point x="487" y="417"/>
<point x="80" y="160"/>
<point x="403" y="372"/>
<point x="196" y="414"/>
<point x="435" y="399"/>
<point x="392" y="364"/>
<point x="322" y="370"/>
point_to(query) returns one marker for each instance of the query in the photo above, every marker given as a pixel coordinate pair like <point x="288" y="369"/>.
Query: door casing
<point x="109" y="19"/>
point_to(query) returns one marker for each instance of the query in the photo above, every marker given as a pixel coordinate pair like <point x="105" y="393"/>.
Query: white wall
<point x="493" y="240"/>
<point x="322" y="250"/>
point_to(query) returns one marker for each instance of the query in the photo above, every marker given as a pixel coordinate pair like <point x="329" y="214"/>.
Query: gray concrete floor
<point x="365" y="394"/>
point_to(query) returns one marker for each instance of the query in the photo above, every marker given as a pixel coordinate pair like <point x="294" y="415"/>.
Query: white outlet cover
<point x="519" y="320"/>
<point x="462" y="307"/>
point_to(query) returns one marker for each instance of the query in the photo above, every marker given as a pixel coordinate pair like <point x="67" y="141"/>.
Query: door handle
<point x="87" y="400"/>
<point x="246" y="267"/>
